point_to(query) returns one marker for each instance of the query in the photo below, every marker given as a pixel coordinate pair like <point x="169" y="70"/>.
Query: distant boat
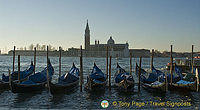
<point x="96" y="80"/>
<point x="123" y="80"/>
<point x="66" y="82"/>
<point x="4" y="83"/>
<point x="197" y="57"/>
<point x="35" y="82"/>
<point x="185" y="64"/>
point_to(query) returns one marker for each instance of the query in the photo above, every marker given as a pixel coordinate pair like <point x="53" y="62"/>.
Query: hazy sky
<point x="143" y="23"/>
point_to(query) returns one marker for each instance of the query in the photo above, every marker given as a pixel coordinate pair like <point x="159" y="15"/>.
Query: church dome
<point x="110" y="41"/>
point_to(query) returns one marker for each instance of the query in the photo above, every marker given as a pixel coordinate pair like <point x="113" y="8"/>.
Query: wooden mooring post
<point x="166" y="82"/>
<point x="171" y="65"/>
<point x="139" y="74"/>
<point x="13" y="59"/>
<point x="197" y="76"/>
<point x="110" y="72"/>
<point x="60" y="61"/>
<point x="19" y="68"/>
<point x="34" y="59"/>
<point x="152" y="55"/>
<point x="9" y="77"/>
<point x="107" y="63"/>
<point x="135" y="67"/>
<point x="130" y="63"/>
<point x="192" y="61"/>
<point x="47" y="68"/>
<point x="81" y="68"/>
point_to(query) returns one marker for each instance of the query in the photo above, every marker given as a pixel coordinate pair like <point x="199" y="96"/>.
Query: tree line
<point x="38" y="47"/>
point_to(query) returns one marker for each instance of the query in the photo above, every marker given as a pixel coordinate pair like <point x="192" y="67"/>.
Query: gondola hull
<point x="92" y="86"/>
<point x="4" y="85"/>
<point x="63" y="88"/>
<point x="183" y="87"/>
<point x="96" y="81"/>
<point x="24" y="88"/>
<point x="125" y="86"/>
<point x="155" y="88"/>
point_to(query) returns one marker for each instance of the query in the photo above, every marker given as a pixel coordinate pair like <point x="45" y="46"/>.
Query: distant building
<point x="31" y="53"/>
<point x="140" y="52"/>
<point x="92" y="50"/>
<point x="99" y="50"/>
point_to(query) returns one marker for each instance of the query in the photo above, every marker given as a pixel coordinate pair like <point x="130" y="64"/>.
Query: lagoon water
<point x="83" y="100"/>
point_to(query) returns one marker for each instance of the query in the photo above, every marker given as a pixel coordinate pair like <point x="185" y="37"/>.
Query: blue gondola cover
<point x="71" y="76"/>
<point x="122" y="74"/>
<point x="40" y="77"/>
<point x="23" y="74"/>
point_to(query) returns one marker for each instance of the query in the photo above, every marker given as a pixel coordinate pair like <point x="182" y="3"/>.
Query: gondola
<point x="189" y="82"/>
<point x="4" y="83"/>
<point x="123" y="80"/>
<point x="96" y="81"/>
<point x="155" y="81"/>
<point x="34" y="83"/>
<point x="67" y="82"/>
<point x="185" y="85"/>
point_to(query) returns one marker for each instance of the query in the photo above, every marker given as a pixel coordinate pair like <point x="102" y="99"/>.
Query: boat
<point x="154" y="81"/>
<point x="185" y="85"/>
<point x="35" y="82"/>
<point x="197" y="57"/>
<point x="188" y="83"/>
<point x="184" y="64"/>
<point x="67" y="82"/>
<point x="123" y="80"/>
<point x="4" y="83"/>
<point x="96" y="80"/>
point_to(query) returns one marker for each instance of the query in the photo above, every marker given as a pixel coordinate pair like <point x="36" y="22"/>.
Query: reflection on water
<point x="91" y="100"/>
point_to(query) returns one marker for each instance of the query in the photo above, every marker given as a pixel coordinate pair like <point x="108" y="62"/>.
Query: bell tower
<point x="87" y="37"/>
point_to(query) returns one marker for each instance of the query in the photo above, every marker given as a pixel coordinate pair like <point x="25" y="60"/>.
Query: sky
<point x="148" y="24"/>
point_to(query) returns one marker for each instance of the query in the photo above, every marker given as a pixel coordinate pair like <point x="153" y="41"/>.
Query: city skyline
<point x="144" y="24"/>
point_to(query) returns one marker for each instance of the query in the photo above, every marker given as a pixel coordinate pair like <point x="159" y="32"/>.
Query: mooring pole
<point x="192" y="61"/>
<point x="166" y="82"/>
<point x="19" y="68"/>
<point x="9" y="77"/>
<point x="152" y="55"/>
<point x="136" y="67"/>
<point x="110" y="73"/>
<point x="81" y="69"/>
<point x="139" y="74"/>
<point x="60" y="62"/>
<point x="130" y="63"/>
<point x="107" y="63"/>
<point x="197" y="76"/>
<point x="171" y="65"/>
<point x="14" y="59"/>
<point x="48" y="67"/>
<point x="34" y="59"/>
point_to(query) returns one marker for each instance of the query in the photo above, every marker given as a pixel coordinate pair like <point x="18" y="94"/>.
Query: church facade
<point x="99" y="50"/>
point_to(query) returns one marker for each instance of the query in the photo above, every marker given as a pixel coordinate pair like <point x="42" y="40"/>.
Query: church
<point x="92" y="50"/>
<point x="99" y="50"/>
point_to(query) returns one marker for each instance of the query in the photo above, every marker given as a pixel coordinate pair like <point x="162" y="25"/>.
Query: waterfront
<point x="78" y="100"/>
